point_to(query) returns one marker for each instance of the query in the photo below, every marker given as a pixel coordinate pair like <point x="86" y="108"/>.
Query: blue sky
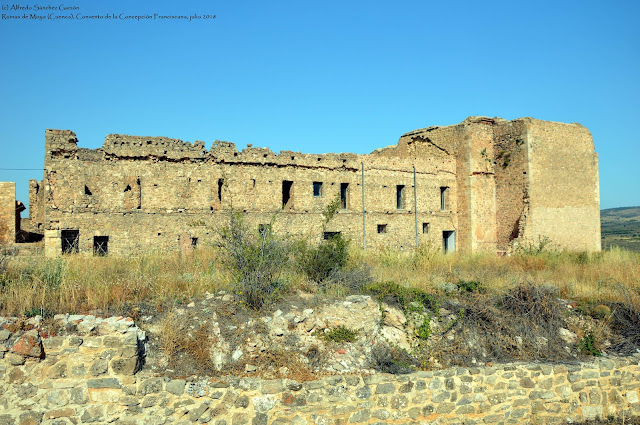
<point x="320" y="76"/>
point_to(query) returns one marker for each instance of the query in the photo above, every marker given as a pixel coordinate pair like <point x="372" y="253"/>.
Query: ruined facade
<point x="485" y="184"/>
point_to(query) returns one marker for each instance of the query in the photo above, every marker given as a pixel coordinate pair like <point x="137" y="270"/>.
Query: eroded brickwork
<point x="483" y="184"/>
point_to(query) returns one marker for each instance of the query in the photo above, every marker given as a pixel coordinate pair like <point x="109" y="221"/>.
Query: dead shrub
<point x="276" y="363"/>
<point x="626" y="320"/>
<point x="177" y="338"/>
<point x="538" y="303"/>
<point x="389" y="359"/>
<point x="521" y="324"/>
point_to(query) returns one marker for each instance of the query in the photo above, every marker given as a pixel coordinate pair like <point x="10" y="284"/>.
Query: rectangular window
<point x="328" y="235"/>
<point x="382" y="228"/>
<point x="70" y="241"/>
<point x="444" y="194"/>
<point x="194" y="242"/>
<point x="100" y="245"/>
<point x="317" y="189"/>
<point x="425" y="228"/>
<point x="400" y="196"/>
<point x="287" y="194"/>
<point x="344" y="193"/>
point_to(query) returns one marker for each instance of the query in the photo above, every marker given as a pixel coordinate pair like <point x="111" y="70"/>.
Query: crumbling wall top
<point x="142" y="146"/>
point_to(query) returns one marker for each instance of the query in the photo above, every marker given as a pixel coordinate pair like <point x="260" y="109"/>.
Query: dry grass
<point x="82" y="284"/>
<point x="176" y="337"/>
<point x="596" y="277"/>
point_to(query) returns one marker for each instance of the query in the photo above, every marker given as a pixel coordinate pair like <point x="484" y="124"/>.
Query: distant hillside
<point x="621" y="227"/>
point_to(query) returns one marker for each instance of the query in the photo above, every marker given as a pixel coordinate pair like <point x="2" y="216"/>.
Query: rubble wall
<point x="91" y="374"/>
<point x="7" y="213"/>
<point x="151" y="193"/>
<point x="510" y="165"/>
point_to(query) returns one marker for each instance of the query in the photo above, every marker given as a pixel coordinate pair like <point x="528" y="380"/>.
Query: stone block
<point x="125" y="365"/>
<point x="175" y="386"/>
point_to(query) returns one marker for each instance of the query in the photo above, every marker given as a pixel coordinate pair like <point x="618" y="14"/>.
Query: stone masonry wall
<point x="151" y="193"/>
<point x="495" y="183"/>
<point x="92" y="375"/>
<point x="563" y="185"/>
<point x="7" y="212"/>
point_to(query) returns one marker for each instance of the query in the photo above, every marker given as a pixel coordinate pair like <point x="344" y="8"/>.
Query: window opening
<point x="194" y="242"/>
<point x="444" y="193"/>
<point x="87" y="191"/>
<point x="329" y="235"/>
<point x="425" y="227"/>
<point x="317" y="189"/>
<point x="100" y="245"/>
<point x="220" y="184"/>
<point x="69" y="239"/>
<point x="287" y="202"/>
<point x="344" y="192"/>
<point x="382" y="228"/>
<point x="400" y="196"/>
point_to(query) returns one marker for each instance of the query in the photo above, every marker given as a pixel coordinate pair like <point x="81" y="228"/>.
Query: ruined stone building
<point x="485" y="184"/>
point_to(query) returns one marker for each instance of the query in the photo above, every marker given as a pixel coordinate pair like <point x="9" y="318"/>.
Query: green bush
<point x="588" y="345"/>
<point x="257" y="260"/>
<point x="470" y="286"/>
<point x="340" y="334"/>
<point x="319" y="263"/>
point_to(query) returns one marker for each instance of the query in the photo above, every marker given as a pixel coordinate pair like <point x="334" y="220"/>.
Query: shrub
<point x="588" y="345"/>
<point x="394" y="360"/>
<point x="319" y="263"/>
<point x="256" y="259"/>
<point x="470" y="286"/>
<point x="176" y="337"/>
<point x="340" y="334"/>
<point x="536" y="302"/>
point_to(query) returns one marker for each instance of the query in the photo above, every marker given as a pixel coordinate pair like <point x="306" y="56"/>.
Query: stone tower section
<point x="563" y="185"/>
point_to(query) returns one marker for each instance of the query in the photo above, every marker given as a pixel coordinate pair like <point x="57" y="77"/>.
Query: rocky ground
<point x="305" y="336"/>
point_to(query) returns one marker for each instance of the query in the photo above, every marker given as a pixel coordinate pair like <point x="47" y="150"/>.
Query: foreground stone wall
<point x="91" y="375"/>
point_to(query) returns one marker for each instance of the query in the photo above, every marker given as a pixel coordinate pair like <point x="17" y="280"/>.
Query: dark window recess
<point x="194" y="242"/>
<point x="344" y="193"/>
<point x="382" y="228"/>
<point x="425" y="227"/>
<point x="263" y="230"/>
<point x="87" y="191"/>
<point x="444" y="194"/>
<point x="100" y="245"/>
<point x="329" y="235"/>
<point x="400" y="196"/>
<point x="317" y="189"/>
<point x="287" y="198"/>
<point x="70" y="240"/>
<point x="220" y="185"/>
